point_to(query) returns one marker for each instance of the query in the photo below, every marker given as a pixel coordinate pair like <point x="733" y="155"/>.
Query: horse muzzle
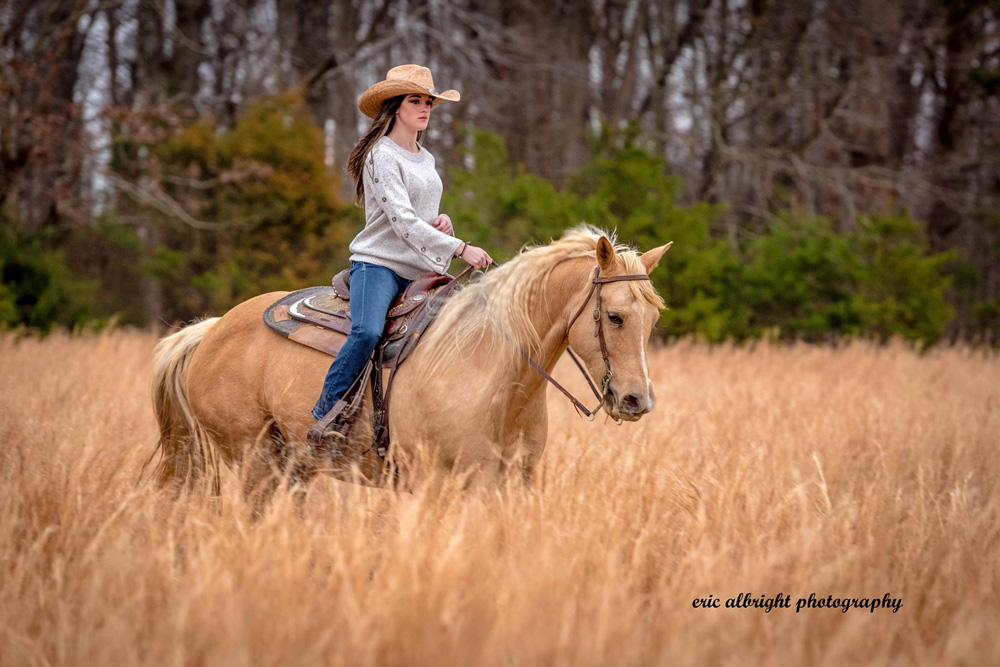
<point x="630" y="407"/>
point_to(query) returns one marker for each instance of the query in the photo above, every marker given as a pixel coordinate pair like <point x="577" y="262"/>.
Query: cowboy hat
<point x="403" y="80"/>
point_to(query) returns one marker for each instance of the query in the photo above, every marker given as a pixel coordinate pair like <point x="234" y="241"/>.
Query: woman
<point x="404" y="236"/>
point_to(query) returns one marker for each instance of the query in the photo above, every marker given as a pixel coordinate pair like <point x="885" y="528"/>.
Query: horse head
<point x="612" y="341"/>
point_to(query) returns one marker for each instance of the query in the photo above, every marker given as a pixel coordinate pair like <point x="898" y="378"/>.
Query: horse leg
<point x="271" y="463"/>
<point x="485" y="475"/>
<point x="533" y="439"/>
<point x="527" y="426"/>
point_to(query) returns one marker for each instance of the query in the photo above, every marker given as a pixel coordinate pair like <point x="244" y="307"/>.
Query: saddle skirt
<point x="320" y="317"/>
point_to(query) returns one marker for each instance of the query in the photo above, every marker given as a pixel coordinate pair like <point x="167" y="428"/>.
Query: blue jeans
<point x="372" y="290"/>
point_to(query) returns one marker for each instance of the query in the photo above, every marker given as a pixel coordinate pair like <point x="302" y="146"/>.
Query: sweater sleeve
<point x="383" y="179"/>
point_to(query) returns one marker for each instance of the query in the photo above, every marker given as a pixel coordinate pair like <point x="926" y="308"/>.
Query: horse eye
<point x="615" y="319"/>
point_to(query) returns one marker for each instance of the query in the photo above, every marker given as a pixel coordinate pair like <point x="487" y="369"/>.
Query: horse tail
<point x="185" y="447"/>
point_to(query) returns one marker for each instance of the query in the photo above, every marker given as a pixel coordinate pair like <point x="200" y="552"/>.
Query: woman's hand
<point x="477" y="257"/>
<point x="442" y="223"/>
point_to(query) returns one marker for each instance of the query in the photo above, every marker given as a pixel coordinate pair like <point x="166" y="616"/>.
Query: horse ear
<point x="605" y="253"/>
<point x="651" y="258"/>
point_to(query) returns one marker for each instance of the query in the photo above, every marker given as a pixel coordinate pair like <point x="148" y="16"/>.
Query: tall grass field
<point x="755" y="516"/>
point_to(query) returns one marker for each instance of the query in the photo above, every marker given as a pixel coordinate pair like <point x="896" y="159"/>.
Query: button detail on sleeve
<point x="383" y="198"/>
<point x="394" y="218"/>
<point x="423" y="249"/>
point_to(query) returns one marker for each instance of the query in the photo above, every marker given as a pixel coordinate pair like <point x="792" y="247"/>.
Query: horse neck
<point x="566" y="287"/>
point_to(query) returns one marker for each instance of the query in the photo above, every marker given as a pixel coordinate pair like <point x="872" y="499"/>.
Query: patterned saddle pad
<point x="313" y="316"/>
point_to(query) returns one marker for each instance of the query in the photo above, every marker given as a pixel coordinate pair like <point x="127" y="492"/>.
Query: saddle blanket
<point x="316" y="322"/>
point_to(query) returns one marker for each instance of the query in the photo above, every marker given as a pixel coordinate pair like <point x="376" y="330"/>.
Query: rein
<point x="595" y="285"/>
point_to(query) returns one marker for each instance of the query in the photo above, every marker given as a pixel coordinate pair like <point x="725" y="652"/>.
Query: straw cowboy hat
<point x="403" y="80"/>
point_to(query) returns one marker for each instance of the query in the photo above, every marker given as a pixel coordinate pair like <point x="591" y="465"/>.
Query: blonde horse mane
<point x="499" y="302"/>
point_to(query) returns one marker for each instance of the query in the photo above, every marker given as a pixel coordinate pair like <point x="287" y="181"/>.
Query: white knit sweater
<point x="402" y="195"/>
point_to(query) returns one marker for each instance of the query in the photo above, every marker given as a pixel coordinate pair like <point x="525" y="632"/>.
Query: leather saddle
<point x="320" y="317"/>
<point x="403" y="307"/>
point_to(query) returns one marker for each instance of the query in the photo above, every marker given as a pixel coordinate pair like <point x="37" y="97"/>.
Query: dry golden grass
<point x="853" y="472"/>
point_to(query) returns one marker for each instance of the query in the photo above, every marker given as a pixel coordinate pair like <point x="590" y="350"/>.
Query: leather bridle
<point x="596" y="282"/>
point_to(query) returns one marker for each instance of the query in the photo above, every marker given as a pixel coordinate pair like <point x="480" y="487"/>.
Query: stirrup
<point x="329" y="436"/>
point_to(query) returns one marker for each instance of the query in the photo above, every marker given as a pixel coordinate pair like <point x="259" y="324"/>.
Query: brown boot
<point x="328" y="437"/>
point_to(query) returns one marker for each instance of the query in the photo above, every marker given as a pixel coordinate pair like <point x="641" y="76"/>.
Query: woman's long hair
<point x="380" y="127"/>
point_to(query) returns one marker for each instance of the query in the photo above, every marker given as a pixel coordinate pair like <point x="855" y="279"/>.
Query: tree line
<point x="160" y="159"/>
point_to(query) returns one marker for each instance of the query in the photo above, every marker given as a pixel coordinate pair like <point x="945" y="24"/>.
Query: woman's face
<point x="415" y="112"/>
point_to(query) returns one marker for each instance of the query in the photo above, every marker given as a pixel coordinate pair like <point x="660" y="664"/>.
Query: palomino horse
<point x="229" y="389"/>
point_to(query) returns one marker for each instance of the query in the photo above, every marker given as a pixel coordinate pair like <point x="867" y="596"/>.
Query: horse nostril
<point x="631" y="403"/>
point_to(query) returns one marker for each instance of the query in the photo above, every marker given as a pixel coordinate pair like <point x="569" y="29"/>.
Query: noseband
<point x="596" y="282"/>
